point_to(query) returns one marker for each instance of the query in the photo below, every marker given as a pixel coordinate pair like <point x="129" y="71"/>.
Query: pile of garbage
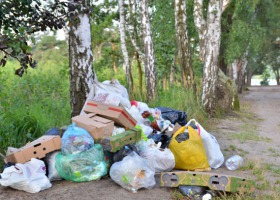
<point x="128" y="141"/>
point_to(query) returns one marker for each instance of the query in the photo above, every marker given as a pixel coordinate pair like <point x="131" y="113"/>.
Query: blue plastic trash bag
<point x="76" y="140"/>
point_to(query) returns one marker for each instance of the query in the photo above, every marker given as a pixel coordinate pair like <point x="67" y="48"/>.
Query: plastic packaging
<point x="85" y="166"/>
<point x="174" y="116"/>
<point x="127" y="149"/>
<point x="192" y="191"/>
<point x="214" y="154"/>
<point x="140" y="105"/>
<point x="160" y="159"/>
<point x="134" y="112"/>
<point x="189" y="154"/>
<point x="76" y="140"/>
<point x="133" y="173"/>
<point x="234" y="162"/>
<point x="29" y="177"/>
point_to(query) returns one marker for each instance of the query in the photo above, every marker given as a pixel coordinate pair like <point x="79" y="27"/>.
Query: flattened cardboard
<point x="98" y="127"/>
<point x="116" y="113"/>
<point x="36" y="149"/>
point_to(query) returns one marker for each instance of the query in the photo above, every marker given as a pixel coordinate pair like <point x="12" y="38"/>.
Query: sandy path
<point x="259" y="121"/>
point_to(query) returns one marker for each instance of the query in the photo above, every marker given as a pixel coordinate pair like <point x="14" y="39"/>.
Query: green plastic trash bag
<point x="84" y="166"/>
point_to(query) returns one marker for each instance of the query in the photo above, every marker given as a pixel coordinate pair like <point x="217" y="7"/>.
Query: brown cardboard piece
<point x="98" y="127"/>
<point x="116" y="113"/>
<point x="36" y="149"/>
<point x="175" y="129"/>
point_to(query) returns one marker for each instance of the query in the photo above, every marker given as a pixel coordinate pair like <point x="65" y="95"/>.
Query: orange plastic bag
<point x="189" y="154"/>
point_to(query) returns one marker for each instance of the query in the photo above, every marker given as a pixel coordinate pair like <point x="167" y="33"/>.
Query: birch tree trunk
<point x="212" y="49"/>
<point x="241" y="67"/>
<point x="183" y="43"/>
<point x="233" y="70"/>
<point x="150" y="68"/>
<point x="200" y="25"/>
<point x="127" y="65"/>
<point x="80" y="55"/>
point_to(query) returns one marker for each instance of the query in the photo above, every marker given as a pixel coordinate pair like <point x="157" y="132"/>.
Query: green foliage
<point x="31" y="105"/>
<point x="265" y="77"/>
<point x="250" y="26"/>
<point x="164" y="40"/>
<point x="19" y="20"/>
<point x="180" y="99"/>
<point x="241" y="30"/>
<point x="102" y="26"/>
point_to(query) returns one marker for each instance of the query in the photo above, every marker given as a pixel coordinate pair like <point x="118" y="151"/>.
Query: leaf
<point x="3" y="62"/>
<point x="19" y="72"/>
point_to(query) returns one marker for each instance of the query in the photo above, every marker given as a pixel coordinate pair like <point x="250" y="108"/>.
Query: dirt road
<point x="253" y="133"/>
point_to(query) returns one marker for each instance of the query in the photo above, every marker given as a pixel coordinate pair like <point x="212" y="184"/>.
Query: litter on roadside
<point x="128" y="141"/>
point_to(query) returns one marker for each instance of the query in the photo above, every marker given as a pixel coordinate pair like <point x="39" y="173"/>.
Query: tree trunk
<point x="212" y="48"/>
<point x="127" y="65"/>
<point x="249" y="77"/>
<point x="150" y="68"/>
<point x="242" y="64"/>
<point x="200" y="25"/>
<point x="183" y="44"/>
<point x="277" y="76"/>
<point x="114" y="57"/>
<point x="80" y="56"/>
<point x="140" y="73"/>
<point x="172" y="69"/>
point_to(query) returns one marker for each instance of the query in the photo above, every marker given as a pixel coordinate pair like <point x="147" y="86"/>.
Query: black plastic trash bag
<point x="163" y="138"/>
<point x="174" y="116"/>
<point x="127" y="149"/>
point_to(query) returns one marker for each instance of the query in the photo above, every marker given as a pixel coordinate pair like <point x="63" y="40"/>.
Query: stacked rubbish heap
<point x="130" y="142"/>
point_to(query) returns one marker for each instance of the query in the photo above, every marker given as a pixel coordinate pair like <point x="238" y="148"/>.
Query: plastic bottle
<point x="234" y="162"/>
<point x="140" y="105"/>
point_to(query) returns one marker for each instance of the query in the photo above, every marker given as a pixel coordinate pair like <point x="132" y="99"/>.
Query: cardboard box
<point x="98" y="127"/>
<point x="116" y="142"/>
<point x="116" y="113"/>
<point x="214" y="181"/>
<point x="36" y="149"/>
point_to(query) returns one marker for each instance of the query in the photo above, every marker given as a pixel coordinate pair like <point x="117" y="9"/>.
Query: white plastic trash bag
<point x="133" y="173"/>
<point x="30" y="177"/>
<point x="108" y="92"/>
<point x="162" y="160"/>
<point x="214" y="154"/>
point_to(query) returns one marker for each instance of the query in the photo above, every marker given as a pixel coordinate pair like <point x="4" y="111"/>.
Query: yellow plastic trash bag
<point x="189" y="154"/>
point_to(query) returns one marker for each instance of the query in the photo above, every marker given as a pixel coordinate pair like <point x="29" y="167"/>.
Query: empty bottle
<point x="234" y="162"/>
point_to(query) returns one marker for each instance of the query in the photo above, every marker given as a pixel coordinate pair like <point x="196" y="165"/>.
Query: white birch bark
<point x="200" y="25"/>
<point x="150" y="68"/>
<point x="212" y="50"/>
<point x="183" y="43"/>
<point x="80" y="56"/>
<point x="127" y="65"/>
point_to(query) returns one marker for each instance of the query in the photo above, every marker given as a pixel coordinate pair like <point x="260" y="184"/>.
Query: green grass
<point x="31" y="105"/>
<point x="273" y="152"/>
<point x="248" y="132"/>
